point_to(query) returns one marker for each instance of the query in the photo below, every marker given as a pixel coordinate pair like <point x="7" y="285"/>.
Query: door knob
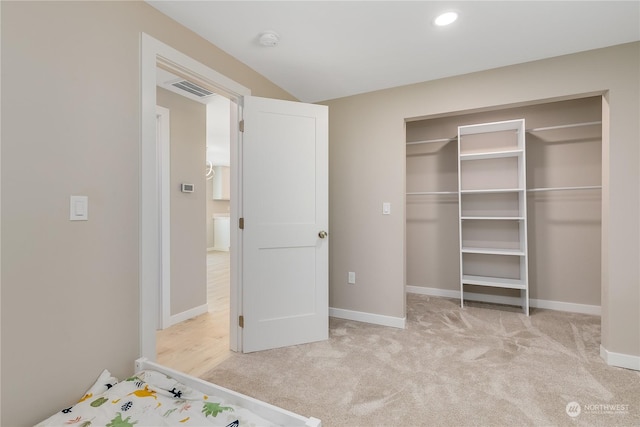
<point x="322" y="234"/>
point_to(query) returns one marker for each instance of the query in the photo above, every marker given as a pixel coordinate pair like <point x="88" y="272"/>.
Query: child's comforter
<point x="150" y="399"/>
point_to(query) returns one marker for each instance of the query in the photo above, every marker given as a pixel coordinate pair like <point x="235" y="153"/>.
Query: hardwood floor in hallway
<point x="197" y="345"/>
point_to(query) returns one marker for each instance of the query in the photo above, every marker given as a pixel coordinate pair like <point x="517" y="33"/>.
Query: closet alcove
<point x="564" y="205"/>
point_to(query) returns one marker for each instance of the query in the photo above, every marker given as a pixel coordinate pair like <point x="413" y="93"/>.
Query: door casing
<point x="164" y="151"/>
<point x="154" y="53"/>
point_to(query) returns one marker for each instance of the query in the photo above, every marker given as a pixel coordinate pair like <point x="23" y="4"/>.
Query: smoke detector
<point x="269" y="39"/>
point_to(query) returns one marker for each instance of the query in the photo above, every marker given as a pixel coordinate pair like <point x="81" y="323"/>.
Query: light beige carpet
<point x="475" y="366"/>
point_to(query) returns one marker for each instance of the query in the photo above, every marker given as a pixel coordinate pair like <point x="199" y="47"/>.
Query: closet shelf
<point x="502" y="190"/>
<point x="491" y="154"/>
<point x="430" y="193"/>
<point x="431" y="141"/>
<point x="540" y="129"/>
<point x="584" y="187"/>
<point x="502" y="126"/>
<point x="493" y="218"/>
<point x="567" y="126"/>
<point x="493" y="251"/>
<point x="495" y="282"/>
<point x="492" y="190"/>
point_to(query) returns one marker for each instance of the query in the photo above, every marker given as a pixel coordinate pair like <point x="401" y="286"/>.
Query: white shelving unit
<point x="492" y="205"/>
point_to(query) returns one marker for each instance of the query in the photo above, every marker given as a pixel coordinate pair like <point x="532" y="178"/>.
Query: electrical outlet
<point x="352" y="278"/>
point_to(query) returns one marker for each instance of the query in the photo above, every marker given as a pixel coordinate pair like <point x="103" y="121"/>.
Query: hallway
<point x="199" y="344"/>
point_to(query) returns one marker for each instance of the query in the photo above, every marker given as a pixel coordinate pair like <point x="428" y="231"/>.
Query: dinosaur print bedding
<point x="150" y="398"/>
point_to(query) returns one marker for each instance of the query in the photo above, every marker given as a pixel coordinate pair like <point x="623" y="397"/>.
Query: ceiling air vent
<point x="192" y="88"/>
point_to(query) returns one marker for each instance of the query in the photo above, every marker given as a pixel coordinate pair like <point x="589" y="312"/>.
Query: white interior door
<point x="285" y="209"/>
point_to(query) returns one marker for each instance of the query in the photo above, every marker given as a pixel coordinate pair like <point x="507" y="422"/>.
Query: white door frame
<point x="163" y="149"/>
<point x="154" y="53"/>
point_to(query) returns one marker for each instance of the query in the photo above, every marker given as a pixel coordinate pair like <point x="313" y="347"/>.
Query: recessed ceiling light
<point x="445" y="19"/>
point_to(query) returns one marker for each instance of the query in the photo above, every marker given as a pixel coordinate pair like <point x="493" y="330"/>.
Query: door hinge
<point x="241" y="223"/>
<point x="241" y="321"/>
<point x="241" y="125"/>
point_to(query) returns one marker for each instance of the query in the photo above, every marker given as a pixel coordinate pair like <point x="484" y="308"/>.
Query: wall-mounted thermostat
<point x="187" y="188"/>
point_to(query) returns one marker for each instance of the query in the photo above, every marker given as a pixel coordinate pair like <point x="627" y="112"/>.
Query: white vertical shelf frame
<point x="481" y="156"/>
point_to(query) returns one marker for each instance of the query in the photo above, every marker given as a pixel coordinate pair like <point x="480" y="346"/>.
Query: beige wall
<point x="70" y="116"/>
<point x="188" y="210"/>
<point x="564" y="227"/>
<point x="70" y="303"/>
<point x="367" y="167"/>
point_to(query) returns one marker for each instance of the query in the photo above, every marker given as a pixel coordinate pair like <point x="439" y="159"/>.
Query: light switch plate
<point x="352" y="278"/>
<point x="386" y="208"/>
<point x="79" y="208"/>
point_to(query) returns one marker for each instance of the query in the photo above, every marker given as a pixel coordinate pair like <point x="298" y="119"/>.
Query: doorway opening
<point x="283" y="174"/>
<point x="194" y="130"/>
<point x="218" y="210"/>
<point x="155" y="235"/>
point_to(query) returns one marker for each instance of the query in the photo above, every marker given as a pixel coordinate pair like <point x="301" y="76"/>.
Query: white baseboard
<point x="211" y="249"/>
<point x="566" y="306"/>
<point x="497" y="299"/>
<point x="376" y="319"/>
<point x="189" y="314"/>
<point x="221" y="249"/>
<point x="620" y="360"/>
<point x="434" y="292"/>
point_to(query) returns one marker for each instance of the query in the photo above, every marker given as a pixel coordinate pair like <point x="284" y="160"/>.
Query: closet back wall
<point x="564" y="227"/>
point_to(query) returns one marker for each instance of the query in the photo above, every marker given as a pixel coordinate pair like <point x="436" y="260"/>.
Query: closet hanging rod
<point x="572" y="125"/>
<point x="430" y="141"/>
<point x="586" y="187"/>
<point x="430" y="193"/>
